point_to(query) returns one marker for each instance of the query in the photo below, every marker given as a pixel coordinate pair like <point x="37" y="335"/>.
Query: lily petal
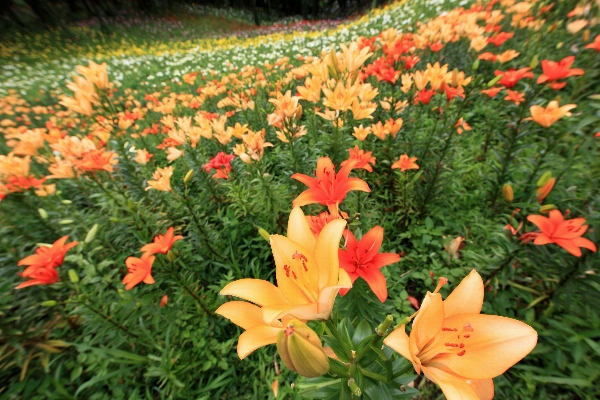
<point x="494" y="345"/>
<point x="326" y="252"/>
<point x="257" y="291"/>
<point x="376" y="281"/>
<point x="327" y="295"/>
<point x="303" y="311"/>
<point x="429" y="321"/>
<point x="299" y="231"/>
<point x="399" y="341"/>
<point x="466" y="298"/>
<point x="483" y="387"/>
<point x="454" y="388"/>
<point x="255" y="338"/>
<point x="241" y="313"/>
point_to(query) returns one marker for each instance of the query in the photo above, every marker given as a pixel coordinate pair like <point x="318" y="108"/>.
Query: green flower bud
<point x="494" y="81"/>
<point x="354" y="387"/>
<point x="43" y="213"/>
<point x="544" y="178"/>
<point x="65" y="221"/>
<point x="384" y="326"/>
<point x="264" y="234"/>
<point x="546" y="208"/>
<point x="507" y="192"/>
<point x="301" y="350"/>
<point x="49" y="303"/>
<point x="559" y="45"/>
<point x="91" y="234"/>
<point x="73" y="276"/>
<point x="475" y="66"/>
<point x="534" y="62"/>
<point x="188" y="177"/>
<point x="67" y="202"/>
<point x="171" y="256"/>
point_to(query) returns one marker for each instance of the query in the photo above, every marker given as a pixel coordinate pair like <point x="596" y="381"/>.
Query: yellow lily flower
<point x="458" y="348"/>
<point x="308" y="280"/>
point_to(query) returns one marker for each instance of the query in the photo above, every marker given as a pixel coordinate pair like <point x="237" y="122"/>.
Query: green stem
<point x="373" y="375"/>
<point x="186" y="201"/>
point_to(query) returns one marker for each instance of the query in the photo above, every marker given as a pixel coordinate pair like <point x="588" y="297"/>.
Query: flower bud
<point x="67" y="202"/>
<point x="49" y="303"/>
<point x="545" y="190"/>
<point x="91" y="234"/>
<point x="586" y="35"/>
<point x="43" y="213"/>
<point x="475" y="66"/>
<point x="534" y="62"/>
<point x="559" y="45"/>
<point x="494" y="81"/>
<point x="65" y="221"/>
<point x="301" y="350"/>
<point x="354" y="387"/>
<point x="507" y="192"/>
<point x="384" y="326"/>
<point x="73" y="276"/>
<point x="188" y="177"/>
<point x="546" y="208"/>
<point x="455" y="77"/>
<point x="264" y="234"/>
<point x="171" y="256"/>
<point x="544" y="179"/>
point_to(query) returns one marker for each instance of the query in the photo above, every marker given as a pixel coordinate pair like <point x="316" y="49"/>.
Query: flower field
<point x="399" y="205"/>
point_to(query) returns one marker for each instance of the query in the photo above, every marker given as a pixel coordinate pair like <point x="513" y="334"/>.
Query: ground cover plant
<point x="401" y="206"/>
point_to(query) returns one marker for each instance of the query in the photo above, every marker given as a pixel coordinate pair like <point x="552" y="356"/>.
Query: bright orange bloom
<point x="161" y="244"/>
<point x="38" y="275"/>
<point x="554" y="71"/>
<point x="545" y="190"/>
<point x="514" y="96"/>
<point x="487" y="56"/>
<point x="512" y="76"/>
<point x="140" y="270"/>
<point x="405" y="163"/>
<point x="50" y="257"/>
<point x="547" y="116"/>
<point x="362" y="258"/>
<point x="595" y="45"/>
<point x="317" y="223"/>
<point x="364" y="159"/>
<point x="493" y="91"/>
<point x="97" y="160"/>
<point x="328" y="188"/>
<point x="462" y="125"/>
<point x="457" y="347"/>
<point x="566" y="234"/>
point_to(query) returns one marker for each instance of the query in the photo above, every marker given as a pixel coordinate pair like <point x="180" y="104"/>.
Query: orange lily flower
<point x="317" y="223"/>
<point x="50" y="257"/>
<point x="97" y="160"/>
<point x="457" y="347"/>
<point x="566" y="234"/>
<point x="161" y="244"/>
<point x="38" y="275"/>
<point x="512" y="76"/>
<point x="364" y="159"/>
<point x="307" y="272"/>
<point x="328" y="188"/>
<point x="492" y="92"/>
<point x="362" y="258"/>
<point x="546" y="117"/>
<point x="514" y="96"/>
<point x="554" y="71"/>
<point x="140" y="270"/>
<point x="595" y="45"/>
<point x="161" y="179"/>
<point x="405" y="163"/>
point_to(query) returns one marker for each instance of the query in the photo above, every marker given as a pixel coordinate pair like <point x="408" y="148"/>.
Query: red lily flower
<point x="328" y="188"/>
<point x="554" y="71"/>
<point x="424" y="96"/>
<point x="161" y="244"/>
<point x="512" y="76"/>
<point x="362" y="258"/>
<point x="38" y="275"/>
<point x="566" y="234"/>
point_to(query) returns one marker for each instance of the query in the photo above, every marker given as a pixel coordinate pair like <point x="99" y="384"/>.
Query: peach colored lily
<point x="547" y="116"/>
<point x="308" y="280"/>
<point x="458" y="348"/>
